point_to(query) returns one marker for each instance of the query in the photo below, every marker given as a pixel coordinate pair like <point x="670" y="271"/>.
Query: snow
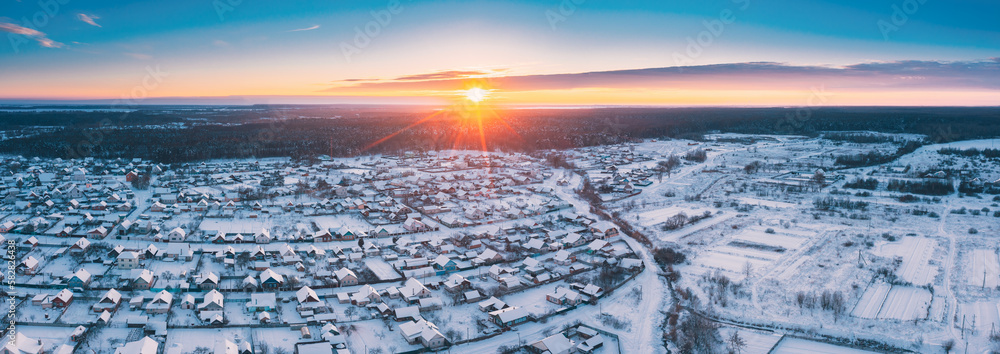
<point x="382" y="270"/>
<point x="916" y="253"/>
<point x="789" y="345"/>
<point x="984" y="270"/>
<point x="871" y="302"/>
<point x="654" y="217"/>
<point x="905" y="303"/>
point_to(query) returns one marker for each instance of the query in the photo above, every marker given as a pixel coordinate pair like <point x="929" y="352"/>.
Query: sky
<point x="569" y="52"/>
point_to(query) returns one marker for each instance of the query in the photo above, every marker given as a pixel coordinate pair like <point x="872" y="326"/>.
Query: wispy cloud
<point x="38" y="36"/>
<point x="438" y="75"/>
<point x="139" y="56"/>
<point x="220" y="43"/>
<point x="982" y="74"/>
<point x="88" y="19"/>
<point x="310" y="28"/>
<point x="444" y="75"/>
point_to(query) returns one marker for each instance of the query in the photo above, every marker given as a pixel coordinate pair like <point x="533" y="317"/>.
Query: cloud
<point x="443" y="75"/>
<point x="439" y="75"/>
<point x="40" y="37"/>
<point x="139" y="56"/>
<point x="88" y="19"/>
<point x="894" y="75"/>
<point x="305" y="29"/>
<point x="220" y="43"/>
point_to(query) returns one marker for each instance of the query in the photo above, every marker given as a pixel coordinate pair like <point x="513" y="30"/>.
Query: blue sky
<point x="102" y="49"/>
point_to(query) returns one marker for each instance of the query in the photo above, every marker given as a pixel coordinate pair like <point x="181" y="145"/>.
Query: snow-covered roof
<point x="145" y="345"/>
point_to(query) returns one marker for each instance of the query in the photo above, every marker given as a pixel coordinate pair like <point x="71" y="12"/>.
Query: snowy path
<point x="646" y="337"/>
<point x="950" y="332"/>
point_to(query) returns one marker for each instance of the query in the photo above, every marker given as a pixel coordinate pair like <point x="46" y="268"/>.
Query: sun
<point x="476" y="94"/>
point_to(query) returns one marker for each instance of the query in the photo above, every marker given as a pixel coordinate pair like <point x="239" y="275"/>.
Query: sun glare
<point x="476" y="94"/>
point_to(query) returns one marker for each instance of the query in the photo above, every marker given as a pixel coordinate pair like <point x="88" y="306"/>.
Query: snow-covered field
<point x="790" y="345"/>
<point x="916" y="253"/>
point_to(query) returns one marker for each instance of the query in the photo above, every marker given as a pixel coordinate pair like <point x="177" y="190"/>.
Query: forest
<point x="191" y="133"/>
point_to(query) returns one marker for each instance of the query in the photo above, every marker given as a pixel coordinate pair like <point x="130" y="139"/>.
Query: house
<point x="536" y="245"/>
<point x="491" y="304"/>
<point x="604" y="229"/>
<point x="142" y="279"/>
<point x="573" y="240"/>
<point x="207" y="281"/>
<point x="30" y="243"/>
<point x="409" y="313"/>
<point x="145" y="345"/>
<point x="80" y="246"/>
<point x="29" y="265"/>
<point x="365" y="295"/>
<point x="306" y="295"/>
<point x="271" y="280"/>
<point x="471" y="296"/>
<point x="591" y="290"/>
<point x="249" y="284"/>
<point x="63" y="298"/>
<point x="510" y="283"/>
<point x="445" y="264"/>
<point x="430" y="304"/>
<point x="413" y="289"/>
<point x="456" y="283"/>
<point x="422" y="332"/>
<point x="322" y="236"/>
<point x="631" y="264"/>
<point x="262" y="302"/>
<point x="590" y="344"/>
<point x="264" y="236"/>
<point x="497" y="272"/>
<point x="108" y="302"/>
<point x="161" y="302"/>
<point x="564" y="257"/>
<point x="127" y="260"/>
<point x="104" y="318"/>
<point x="555" y="344"/>
<point x="23" y="344"/>
<point x="510" y="316"/>
<point x="597" y="246"/>
<point x="77" y="334"/>
<point x="488" y="256"/>
<point x="79" y="279"/>
<point x="414" y="263"/>
<point x="563" y="296"/>
<point x="213" y="301"/>
<point x="346" y="277"/>
<point x="97" y="232"/>
<point x="188" y="302"/>
<point x="179" y="251"/>
<point x="177" y="235"/>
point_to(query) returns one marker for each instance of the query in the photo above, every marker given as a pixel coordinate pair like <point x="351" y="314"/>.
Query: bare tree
<point x="736" y="343"/>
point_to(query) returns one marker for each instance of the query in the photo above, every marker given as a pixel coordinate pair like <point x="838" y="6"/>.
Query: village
<point x="418" y="252"/>
<point x="776" y="241"/>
